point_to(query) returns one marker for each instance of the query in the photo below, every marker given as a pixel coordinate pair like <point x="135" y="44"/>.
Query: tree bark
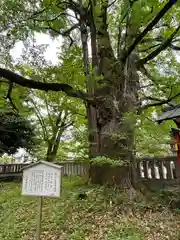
<point x="90" y="108"/>
<point x="53" y="145"/>
<point x="115" y="96"/>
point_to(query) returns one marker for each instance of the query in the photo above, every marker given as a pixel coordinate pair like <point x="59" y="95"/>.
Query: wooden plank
<point x="173" y="168"/>
<point x="139" y="169"/>
<point x="160" y="169"/>
<point x="152" y="167"/>
<point x="74" y="170"/>
<point x="69" y="168"/>
<point x="19" y="167"/>
<point x="3" y="168"/>
<point x="84" y="170"/>
<point x="2" y="175"/>
<point x="145" y="168"/>
<point x="79" y="169"/>
<point x="11" y="168"/>
<point x="177" y="170"/>
<point x="66" y="168"/>
<point x="7" y="169"/>
<point x="168" y="168"/>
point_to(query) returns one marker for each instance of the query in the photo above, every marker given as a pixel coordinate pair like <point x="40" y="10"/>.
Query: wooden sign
<point x="42" y="179"/>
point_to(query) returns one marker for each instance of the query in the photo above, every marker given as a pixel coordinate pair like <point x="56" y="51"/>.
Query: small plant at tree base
<point x="101" y="160"/>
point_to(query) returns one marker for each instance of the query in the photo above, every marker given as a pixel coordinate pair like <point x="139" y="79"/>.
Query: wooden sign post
<point x="41" y="179"/>
<point x="39" y="219"/>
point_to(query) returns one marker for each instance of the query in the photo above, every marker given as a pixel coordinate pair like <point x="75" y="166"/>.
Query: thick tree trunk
<point x="53" y="145"/>
<point x="116" y="95"/>
<point x="114" y="100"/>
<point x="90" y="109"/>
<point x="50" y="155"/>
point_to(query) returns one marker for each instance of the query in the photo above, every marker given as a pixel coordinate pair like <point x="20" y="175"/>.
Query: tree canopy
<point x="128" y="69"/>
<point x="15" y="132"/>
<point x="156" y="30"/>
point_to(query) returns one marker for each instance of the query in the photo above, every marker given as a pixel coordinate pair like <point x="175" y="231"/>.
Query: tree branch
<point x="38" y="12"/>
<point x="75" y="7"/>
<point x="113" y="2"/>
<point x="148" y="85"/>
<point x="159" y="39"/>
<point x="8" y="97"/>
<point x="41" y="120"/>
<point x="151" y="39"/>
<point x="29" y="83"/>
<point x="172" y="46"/>
<point x="48" y="110"/>
<point x="162" y="47"/>
<point x="48" y="20"/>
<point x="152" y="98"/>
<point x="149" y="27"/>
<point x="147" y="49"/>
<point x="160" y="102"/>
<point x="64" y="33"/>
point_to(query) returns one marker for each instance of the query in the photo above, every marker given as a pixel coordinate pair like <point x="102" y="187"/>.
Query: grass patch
<point x="105" y="214"/>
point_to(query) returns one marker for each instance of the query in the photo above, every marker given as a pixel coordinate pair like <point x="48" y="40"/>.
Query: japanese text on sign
<point x="41" y="182"/>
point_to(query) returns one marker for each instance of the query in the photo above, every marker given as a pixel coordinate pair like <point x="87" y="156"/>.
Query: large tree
<point x="130" y="41"/>
<point x="56" y="115"/>
<point x="15" y="132"/>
